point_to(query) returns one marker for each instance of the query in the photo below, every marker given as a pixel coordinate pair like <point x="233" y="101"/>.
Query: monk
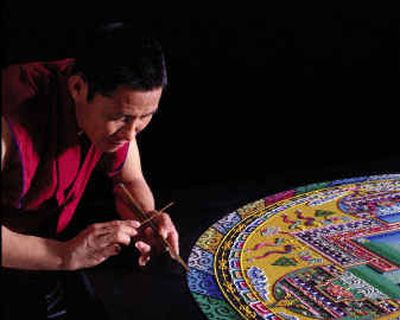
<point x="61" y="120"/>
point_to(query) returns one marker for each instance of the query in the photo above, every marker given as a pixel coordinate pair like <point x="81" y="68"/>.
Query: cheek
<point x="111" y="127"/>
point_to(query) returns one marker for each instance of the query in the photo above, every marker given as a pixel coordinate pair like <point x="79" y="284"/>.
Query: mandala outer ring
<point x="297" y="193"/>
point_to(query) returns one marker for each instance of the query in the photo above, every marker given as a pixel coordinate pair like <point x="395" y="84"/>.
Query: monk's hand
<point x="98" y="242"/>
<point x="149" y="241"/>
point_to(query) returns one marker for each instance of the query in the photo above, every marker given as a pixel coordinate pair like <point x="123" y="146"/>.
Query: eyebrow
<point x="151" y="112"/>
<point x="122" y="113"/>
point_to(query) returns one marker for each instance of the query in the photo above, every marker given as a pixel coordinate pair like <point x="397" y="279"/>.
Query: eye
<point x="146" y="116"/>
<point x="126" y="119"/>
<point x="122" y="118"/>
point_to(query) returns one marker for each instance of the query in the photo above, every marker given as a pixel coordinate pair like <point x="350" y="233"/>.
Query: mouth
<point x="116" y="143"/>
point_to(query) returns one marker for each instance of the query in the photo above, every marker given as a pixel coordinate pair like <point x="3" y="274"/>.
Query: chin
<point x="111" y="148"/>
<point x="108" y="149"/>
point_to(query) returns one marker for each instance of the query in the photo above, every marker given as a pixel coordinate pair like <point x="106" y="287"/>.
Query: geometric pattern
<point x="329" y="250"/>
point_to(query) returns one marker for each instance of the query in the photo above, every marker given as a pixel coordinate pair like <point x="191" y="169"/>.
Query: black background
<point x="260" y="100"/>
<point x="252" y="91"/>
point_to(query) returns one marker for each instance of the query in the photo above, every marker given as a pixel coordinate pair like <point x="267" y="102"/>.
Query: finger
<point x="168" y="232"/>
<point x="127" y="229"/>
<point x="145" y="251"/>
<point x="111" y="250"/>
<point x="173" y="240"/>
<point x="165" y="225"/>
<point x="149" y="233"/>
<point x="119" y="237"/>
<point x="130" y="223"/>
<point x="101" y="235"/>
<point x="109" y="225"/>
<point x="153" y="240"/>
<point x="143" y="247"/>
<point x="118" y="233"/>
<point x="143" y="260"/>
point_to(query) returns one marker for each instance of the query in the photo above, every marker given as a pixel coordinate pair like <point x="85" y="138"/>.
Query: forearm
<point x="143" y="196"/>
<point x="21" y="251"/>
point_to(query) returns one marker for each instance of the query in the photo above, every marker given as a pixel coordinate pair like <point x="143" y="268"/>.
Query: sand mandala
<point x="323" y="251"/>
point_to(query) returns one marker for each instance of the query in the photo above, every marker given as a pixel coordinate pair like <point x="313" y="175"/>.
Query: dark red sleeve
<point x="112" y="163"/>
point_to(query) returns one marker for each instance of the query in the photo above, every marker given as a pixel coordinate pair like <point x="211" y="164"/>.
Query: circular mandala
<point x="323" y="251"/>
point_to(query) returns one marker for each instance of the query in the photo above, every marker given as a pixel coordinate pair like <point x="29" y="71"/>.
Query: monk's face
<point x="113" y="120"/>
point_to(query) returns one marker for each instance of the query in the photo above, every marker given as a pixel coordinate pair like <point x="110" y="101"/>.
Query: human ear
<point x="77" y="87"/>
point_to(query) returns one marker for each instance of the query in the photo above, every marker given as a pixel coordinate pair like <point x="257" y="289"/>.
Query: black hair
<point x="119" y="54"/>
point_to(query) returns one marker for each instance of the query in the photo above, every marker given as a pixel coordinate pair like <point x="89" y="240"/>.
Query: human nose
<point x="130" y="129"/>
